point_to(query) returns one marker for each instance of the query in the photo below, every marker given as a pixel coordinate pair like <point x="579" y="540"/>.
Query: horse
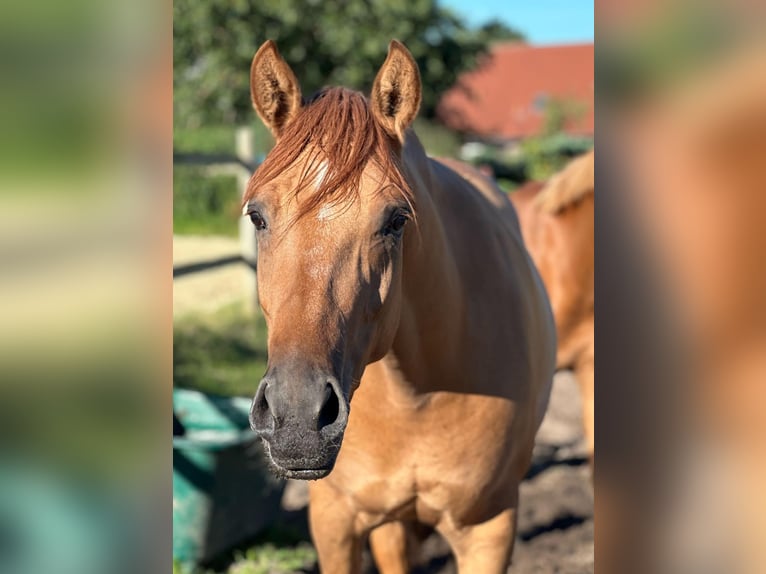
<point x="411" y="345"/>
<point x="557" y="221"/>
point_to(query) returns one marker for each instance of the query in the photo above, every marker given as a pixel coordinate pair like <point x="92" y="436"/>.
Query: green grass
<point x="205" y="205"/>
<point x="270" y="559"/>
<point x="437" y="139"/>
<point x="264" y="559"/>
<point x="222" y="353"/>
<point x="219" y="139"/>
<point x="207" y="139"/>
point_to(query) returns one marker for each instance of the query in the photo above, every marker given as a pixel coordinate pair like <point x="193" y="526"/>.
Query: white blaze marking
<point x="321" y="173"/>
<point x="325" y="212"/>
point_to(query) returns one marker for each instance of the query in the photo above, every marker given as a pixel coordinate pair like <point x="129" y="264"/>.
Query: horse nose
<point x="317" y="405"/>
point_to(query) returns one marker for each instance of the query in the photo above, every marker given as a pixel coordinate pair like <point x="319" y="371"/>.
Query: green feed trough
<point x="223" y="492"/>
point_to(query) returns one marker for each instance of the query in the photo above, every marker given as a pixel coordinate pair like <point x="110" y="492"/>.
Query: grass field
<point x="204" y="205"/>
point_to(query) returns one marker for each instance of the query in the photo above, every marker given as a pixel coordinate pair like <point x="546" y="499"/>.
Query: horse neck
<point x="427" y="342"/>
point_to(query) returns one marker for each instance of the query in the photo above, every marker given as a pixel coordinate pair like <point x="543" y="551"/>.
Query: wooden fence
<point x="241" y="165"/>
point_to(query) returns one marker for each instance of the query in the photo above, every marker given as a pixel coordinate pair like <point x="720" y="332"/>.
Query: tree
<point x="327" y="42"/>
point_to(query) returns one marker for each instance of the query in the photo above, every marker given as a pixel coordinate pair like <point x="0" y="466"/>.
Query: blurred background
<point x="506" y="86"/>
<point x="85" y="319"/>
<point x="681" y="274"/>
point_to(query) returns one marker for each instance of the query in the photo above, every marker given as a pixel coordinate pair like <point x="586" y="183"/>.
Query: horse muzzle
<point x="301" y="422"/>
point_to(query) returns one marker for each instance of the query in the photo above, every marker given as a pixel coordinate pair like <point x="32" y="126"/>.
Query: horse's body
<point x="557" y="223"/>
<point x="442" y="428"/>
<point x="446" y="409"/>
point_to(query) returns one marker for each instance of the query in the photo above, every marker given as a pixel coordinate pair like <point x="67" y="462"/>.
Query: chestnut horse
<point x="393" y="284"/>
<point x="557" y="222"/>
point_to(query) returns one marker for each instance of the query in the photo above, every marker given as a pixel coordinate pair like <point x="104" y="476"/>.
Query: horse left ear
<point x="274" y="89"/>
<point x="395" y="94"/>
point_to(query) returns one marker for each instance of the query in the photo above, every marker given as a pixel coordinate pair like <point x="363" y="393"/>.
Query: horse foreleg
<point x="483" y="548"/>
<point x="391" y="546"/>
<point x="331" y="519"/>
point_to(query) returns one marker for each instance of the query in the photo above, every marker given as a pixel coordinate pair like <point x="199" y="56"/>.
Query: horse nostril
<point x="262" y="417"/>
<point x="264" y="406"/>
<point x="328" y="414"/>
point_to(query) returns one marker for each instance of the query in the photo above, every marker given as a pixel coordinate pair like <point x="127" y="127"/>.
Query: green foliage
<point x="548" y="152"/>
<point x="558" y="113"/>
<point x="210" y="139"/>
<point x="536" y="158"/>
<point x="547" y="155"/>
<point x="216" y="138"/>
<point x="542" y="161"/>
<point x="437" y="139"/>
<point x="204" y="204"/>
<point x="328" y="42"/>
<point x="222" y="353"/>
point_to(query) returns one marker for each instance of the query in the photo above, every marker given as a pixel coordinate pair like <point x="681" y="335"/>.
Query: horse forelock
<point x="334" y="137"/>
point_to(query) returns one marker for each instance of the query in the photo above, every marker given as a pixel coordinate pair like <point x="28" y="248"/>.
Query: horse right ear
<point x="395" y="96"/>
<point x="274" y="88"/>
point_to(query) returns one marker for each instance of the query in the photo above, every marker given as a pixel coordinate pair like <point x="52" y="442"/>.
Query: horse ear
<point x="395" y="94"/>
<point x="274" y="89"/>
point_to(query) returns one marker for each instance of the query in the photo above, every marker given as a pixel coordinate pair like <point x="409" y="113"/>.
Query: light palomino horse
<point x="557" y="222"/>
<point x="411" y="344"/>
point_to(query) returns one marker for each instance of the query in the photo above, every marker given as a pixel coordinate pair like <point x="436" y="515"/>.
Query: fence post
<point x="247" y="241"/>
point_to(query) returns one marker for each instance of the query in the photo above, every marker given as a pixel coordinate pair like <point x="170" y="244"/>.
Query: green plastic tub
<point x="223" y="492"/>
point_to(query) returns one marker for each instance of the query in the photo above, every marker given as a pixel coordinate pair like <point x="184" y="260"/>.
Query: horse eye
<point x="396" y="223"/>
<point x="257" y="220"/>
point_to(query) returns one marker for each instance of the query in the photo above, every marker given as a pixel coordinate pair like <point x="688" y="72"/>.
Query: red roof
<point x="504" y="98"/>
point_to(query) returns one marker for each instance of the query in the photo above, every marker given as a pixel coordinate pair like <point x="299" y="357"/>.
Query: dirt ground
<point x="555" y="533"/>
<point x="213" y="288"/>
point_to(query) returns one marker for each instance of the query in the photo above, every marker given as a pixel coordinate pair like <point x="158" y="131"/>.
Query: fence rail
<point x="242" y="164"/>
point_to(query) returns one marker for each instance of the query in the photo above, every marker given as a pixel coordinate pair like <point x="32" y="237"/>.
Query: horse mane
<point x="568" y="186"/>
<point x="335" y="126"/>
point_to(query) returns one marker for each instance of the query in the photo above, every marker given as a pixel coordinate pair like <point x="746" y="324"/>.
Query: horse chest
<point x="406" y="494"/>
<point x="425" y="462"/>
